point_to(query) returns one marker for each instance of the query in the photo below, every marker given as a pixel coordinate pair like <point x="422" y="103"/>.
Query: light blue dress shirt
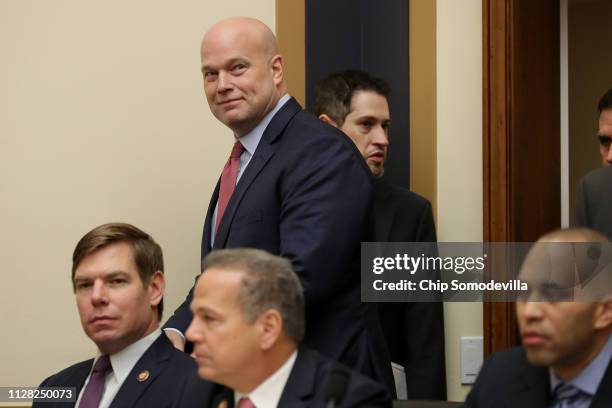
<point x="589" y="379"/>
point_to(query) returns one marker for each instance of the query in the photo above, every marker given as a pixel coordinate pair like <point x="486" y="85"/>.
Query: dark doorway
<point x="371" y="35"/>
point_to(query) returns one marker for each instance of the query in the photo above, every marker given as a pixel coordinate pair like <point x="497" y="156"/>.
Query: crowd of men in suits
<point x="276" y="318"/>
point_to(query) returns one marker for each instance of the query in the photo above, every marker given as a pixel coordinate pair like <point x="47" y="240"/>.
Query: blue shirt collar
<point x="251" y="139"/>
<point x="590" y="378"/>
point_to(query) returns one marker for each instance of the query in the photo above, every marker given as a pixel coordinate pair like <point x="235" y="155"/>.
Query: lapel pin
<point x="143" y="376"/>
<point x="222" y="404"/>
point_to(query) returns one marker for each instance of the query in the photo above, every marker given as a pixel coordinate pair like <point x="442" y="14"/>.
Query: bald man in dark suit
<point x="294" y="187"/>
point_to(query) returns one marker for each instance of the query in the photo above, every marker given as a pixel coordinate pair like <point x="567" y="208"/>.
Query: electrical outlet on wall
<point x="471" y="358"/>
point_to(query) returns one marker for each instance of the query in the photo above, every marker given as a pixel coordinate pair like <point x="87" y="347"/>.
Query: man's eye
<point x="83" y="285"/>
<point x="117" y="281"/>
<point x="209" y="75"/>
<point x="366" y="125"/>
<point x="239" y="68"/>
<point x="604" y="141"/>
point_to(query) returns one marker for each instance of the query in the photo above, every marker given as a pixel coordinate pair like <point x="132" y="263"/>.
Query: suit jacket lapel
<point x="300" y="386"/>
<point x="603" y="397"/>
<point x="265" y="150"/>
<point x="534" y="390"/>
<point x="383" y="211"/>
<point x="206" y="246"/>
<point x="82" y="371"/>
<point x="222" y="399"/>
<point x="144" y="373"/>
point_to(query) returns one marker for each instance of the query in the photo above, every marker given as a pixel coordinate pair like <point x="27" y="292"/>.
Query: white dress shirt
<point x="122" y="363"/>
<point x="268" y="393"/>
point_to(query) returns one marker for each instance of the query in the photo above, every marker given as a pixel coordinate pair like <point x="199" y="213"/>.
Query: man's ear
<point x="271" y="326"/>
<point x="156" y="288"/>
<point x="276" y="63"/>
<point x="325" y="118"/>
<point x="603" y="316"/>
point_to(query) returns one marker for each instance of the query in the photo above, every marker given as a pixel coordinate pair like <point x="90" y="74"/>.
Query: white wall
<point x="459" y="156"/>
<point x="102" y="118"/>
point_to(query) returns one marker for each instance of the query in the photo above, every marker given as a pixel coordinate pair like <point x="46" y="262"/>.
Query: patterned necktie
<point x="569" y="396"/>
<point x="245" y="403"/>
<point x="228" y="181"/>
<point x="95" y="386"/>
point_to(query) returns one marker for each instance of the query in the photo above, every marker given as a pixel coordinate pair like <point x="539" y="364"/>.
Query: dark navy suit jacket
<point x="306" y="387"/>
<point x="414" y="331"/>
<point x="306" y="195"/>
<point x="593" y="206"/>
<point x="508" y="380"/>
<point x="167" y="368"/>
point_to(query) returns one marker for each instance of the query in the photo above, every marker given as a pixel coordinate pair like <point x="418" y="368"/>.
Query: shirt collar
<point x="589" y="379"/>
<point x="251" y="139"/>
<point x="123" y="361"/>
<point x="268" y="393"/>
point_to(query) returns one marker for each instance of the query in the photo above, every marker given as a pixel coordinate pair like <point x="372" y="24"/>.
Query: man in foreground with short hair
<point x="293" y="186"/>
<point x="118" y="280"/>
<point x="356" y="103"/>
<point x="247" y="328"/>
<point x="567" y="345"/>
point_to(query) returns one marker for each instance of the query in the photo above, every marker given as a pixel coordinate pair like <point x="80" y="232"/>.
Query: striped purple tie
<point x="95" y="387"/>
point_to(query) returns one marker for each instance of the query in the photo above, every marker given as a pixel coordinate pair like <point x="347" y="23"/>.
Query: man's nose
<point x="380" y="137"/>
<point x="99" y="293"/>
<point x="224" y="83"/>
<point x="195" y="331"/>
<point x="189" y="333"/>
<point x="532" y="310"/>
<point x="609" y="156"/>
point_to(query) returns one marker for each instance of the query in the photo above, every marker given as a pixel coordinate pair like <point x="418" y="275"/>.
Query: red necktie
<point x="245" y="403"/>
<point x="228" y="181"/>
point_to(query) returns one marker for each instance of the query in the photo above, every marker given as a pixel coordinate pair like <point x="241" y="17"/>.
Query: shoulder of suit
<point x="598" y="177"/>
<point x="507" y="365"/>
<point x="326" y="365"/>
<point x="402" y="194"/>
<point x="310" y="141"/>
<point x="316" y="130"/>
<point x="183" y="359"/>
<point x="67" y="375"/>
<point x="177" y="357"/>
<point x="197" y="389"/>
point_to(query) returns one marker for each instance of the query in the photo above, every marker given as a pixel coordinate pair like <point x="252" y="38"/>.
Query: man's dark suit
<point x="507" y="380"/>
<point x="306" y="387"/>
<point x="414" y="331"/>
<point x="306" y="195"/>
<point x="593" y="206"/>
<point x="166" y="366"/>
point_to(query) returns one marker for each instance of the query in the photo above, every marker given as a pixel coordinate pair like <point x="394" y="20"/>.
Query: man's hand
<point x="177" y="340"/>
